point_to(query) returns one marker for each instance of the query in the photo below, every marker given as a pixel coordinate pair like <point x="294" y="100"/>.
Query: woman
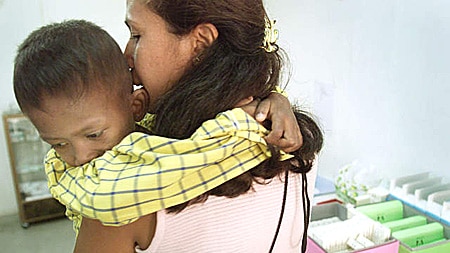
<point x="205" y="56"/>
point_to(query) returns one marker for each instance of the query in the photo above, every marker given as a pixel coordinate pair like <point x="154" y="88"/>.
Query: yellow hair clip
<point x="270" y="37"/>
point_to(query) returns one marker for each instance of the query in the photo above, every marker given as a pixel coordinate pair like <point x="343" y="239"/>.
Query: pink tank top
<point x="243" y="224"/>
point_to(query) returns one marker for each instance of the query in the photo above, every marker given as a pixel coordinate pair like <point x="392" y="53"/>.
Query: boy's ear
<point x="204" y="35"/>
<point x="140" y="104"/>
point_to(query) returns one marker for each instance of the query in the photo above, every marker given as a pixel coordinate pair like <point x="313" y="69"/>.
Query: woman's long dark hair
<point x="234" y="67"/>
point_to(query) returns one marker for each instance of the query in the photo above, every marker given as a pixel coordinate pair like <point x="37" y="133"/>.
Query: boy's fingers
<point x="288" y="140"/>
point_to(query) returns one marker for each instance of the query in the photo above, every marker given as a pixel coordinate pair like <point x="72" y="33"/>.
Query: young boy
<point x="72" y="81"/>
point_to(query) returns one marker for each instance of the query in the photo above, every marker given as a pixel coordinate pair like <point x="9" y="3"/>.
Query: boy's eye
<point x="59" y="145"/>
<point x="94" y="135"/>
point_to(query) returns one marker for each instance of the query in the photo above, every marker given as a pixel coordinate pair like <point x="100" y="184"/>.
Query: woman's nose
<point x="129" y="56"/>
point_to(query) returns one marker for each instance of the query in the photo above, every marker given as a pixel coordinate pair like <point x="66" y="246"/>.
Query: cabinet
<point x="26" y="155"/>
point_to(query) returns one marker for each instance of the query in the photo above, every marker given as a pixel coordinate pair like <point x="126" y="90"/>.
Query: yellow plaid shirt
<point x="146" y="173"/>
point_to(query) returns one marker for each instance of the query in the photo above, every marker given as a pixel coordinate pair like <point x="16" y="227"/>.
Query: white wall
<point x="376" y="72"/>
<point x="17" y="19"/>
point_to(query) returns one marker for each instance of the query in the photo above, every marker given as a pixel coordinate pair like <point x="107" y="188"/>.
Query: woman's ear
<point x="204" y="35"/>
<point x="140" y="103"/>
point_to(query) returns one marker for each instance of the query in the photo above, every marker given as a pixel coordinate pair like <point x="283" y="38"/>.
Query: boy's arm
<point x="109" y="181"/>
<point x="95" y="237"/>
<point x="285" y="132"/>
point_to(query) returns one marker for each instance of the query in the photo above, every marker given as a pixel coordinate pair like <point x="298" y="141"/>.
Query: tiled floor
<point x="54" y="236"/>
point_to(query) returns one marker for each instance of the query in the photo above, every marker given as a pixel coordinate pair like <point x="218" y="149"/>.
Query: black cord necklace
<point x="306" y="211"/>
<point x="283" y="205"/>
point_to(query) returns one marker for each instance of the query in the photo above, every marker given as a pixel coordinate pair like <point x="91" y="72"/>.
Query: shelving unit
<point x="26" y="155"/>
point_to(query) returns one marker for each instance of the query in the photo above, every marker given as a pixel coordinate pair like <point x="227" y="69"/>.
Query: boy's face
<point x="84" y="129"/>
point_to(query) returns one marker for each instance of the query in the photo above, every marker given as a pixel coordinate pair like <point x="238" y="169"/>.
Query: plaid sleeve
<point x="145" y="173"/>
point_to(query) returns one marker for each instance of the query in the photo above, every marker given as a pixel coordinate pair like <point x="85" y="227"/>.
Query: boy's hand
<point x="285" y="132"/>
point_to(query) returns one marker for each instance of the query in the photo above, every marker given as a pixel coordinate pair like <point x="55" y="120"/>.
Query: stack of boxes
<point x="414" y="218"/>
<point x="334" y="229"/>
<point x="415" y="231"/>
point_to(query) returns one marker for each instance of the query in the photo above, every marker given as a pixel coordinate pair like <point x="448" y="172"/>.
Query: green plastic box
<point x="384" y="211"/>
<point x="410" y="222"/>
<point x="440" y="246"/>
<point x="420" y="235"/>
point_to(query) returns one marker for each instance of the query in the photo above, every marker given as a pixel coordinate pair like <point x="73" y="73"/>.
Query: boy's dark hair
<point x="69" y="58"/>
